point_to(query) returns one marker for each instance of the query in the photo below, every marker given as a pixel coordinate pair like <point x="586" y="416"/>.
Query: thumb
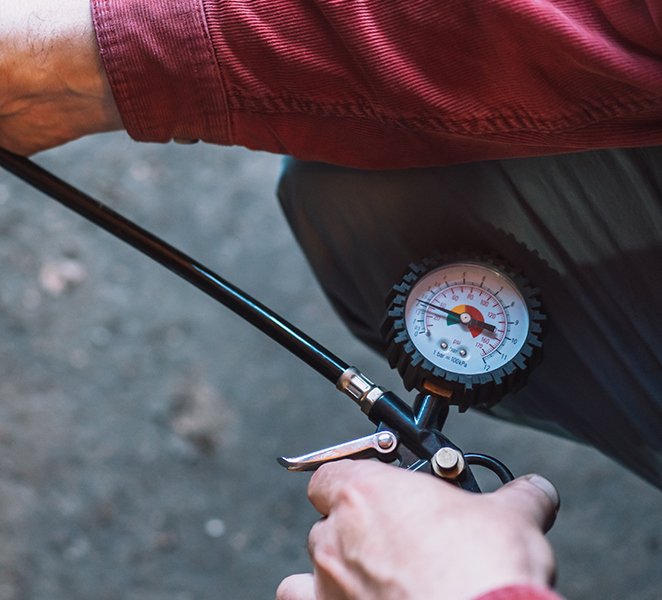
<point x="533" y="496"/>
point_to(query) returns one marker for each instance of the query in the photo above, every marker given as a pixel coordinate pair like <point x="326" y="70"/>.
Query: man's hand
<point x="388" y="534"/>
<point x="53" y="87"/>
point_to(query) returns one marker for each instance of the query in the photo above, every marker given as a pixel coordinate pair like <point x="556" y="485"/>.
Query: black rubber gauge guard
<point x="484" y="389"/>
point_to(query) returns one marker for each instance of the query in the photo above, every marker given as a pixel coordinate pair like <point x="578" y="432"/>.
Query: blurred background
<point x="140" y="421"/>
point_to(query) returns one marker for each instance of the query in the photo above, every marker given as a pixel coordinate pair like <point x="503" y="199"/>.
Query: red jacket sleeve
<point x="520" y="592"/>
<point x="381" y="84"/>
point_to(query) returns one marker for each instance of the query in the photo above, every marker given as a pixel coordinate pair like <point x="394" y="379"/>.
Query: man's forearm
<point x="53" y="87"/>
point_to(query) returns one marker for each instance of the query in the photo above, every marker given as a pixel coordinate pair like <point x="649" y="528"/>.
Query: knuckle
<point x="325" y="556"/>
<point x="315" y="536"/>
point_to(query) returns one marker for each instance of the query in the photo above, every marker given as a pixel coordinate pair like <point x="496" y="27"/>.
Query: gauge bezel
<point x="418" y="372"/>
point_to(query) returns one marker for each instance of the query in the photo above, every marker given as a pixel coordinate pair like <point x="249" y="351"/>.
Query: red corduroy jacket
<point x="384" y="84"/>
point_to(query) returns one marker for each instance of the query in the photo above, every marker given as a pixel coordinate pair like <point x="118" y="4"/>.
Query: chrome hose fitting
<point x="359" y="388"/>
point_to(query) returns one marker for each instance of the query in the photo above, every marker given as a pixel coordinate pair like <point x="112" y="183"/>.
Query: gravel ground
<point x="140" y="420"/>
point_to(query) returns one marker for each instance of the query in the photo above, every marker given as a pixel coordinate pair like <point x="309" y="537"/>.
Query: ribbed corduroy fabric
<point x="378" y="84"/>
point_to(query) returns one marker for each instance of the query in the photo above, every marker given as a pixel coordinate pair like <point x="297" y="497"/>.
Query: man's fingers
<point x="329" y="482"/>
<point x="533" y="496"/>
<point x="296" y="587"/>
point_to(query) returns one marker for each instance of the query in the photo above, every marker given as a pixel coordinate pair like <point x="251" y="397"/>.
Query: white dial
<point x="467" y="318"/>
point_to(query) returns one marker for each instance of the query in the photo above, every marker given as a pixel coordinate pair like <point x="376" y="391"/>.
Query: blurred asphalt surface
<point x="140" y="421"/>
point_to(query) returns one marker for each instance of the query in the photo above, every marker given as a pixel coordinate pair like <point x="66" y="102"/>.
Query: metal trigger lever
<point x="381" y="445"/>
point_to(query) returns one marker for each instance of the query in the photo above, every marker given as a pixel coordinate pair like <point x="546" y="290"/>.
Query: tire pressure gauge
<point x="467" y="327"/>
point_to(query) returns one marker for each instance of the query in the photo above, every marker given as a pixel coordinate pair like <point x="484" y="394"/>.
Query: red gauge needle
<point x="465" y="317"/>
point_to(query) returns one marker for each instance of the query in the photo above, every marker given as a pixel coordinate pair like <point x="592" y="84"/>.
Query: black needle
<point x="470" y="321"/>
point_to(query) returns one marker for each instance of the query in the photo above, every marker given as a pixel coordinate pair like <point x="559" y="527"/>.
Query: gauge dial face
<point x="467" y="318"/>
